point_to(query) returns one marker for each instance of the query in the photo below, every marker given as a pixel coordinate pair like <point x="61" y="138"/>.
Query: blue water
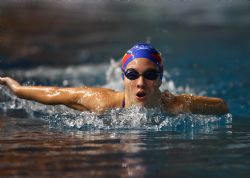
<point x="205" y="50"/>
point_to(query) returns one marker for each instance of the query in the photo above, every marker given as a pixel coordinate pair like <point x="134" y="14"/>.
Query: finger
<point x="2" y="81"/>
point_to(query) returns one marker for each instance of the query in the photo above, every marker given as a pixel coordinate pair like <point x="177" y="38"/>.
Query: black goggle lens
<point x="132" y="74"/>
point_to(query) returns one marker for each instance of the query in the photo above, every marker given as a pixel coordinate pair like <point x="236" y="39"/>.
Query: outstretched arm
<point x="80" y="98"/>
<point x="42" y="94"/>
<point x="202" y="104"/>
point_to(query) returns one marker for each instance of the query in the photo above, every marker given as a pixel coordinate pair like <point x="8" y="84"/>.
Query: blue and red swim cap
<point x="143" y="50"/>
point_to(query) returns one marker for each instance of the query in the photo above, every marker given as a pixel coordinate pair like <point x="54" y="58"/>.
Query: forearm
<point x="46" y="95"/>
<point x="80" y="98"/>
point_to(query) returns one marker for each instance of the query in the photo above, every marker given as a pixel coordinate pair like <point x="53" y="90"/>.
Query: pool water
<point x="203" y="58"/>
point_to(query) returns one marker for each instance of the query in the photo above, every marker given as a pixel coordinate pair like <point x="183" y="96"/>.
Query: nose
<point x="140" y="82"/>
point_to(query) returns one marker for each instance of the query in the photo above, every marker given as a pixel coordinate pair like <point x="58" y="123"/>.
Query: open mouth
<point x="140" y="94"/>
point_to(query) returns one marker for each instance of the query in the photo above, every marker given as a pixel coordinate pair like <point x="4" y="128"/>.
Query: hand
<point x="9" y="82"/>
<point x="3" y="80"/>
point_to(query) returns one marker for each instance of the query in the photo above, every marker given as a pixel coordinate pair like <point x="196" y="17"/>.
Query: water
<point x="203" y="56"/>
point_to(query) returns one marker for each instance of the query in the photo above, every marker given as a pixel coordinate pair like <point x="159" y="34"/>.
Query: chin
<point x="145" y="104"/>
<point x="141" y="104"/>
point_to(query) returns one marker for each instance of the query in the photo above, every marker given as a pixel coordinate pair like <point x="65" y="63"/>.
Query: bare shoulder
<point x="168" y="98"/>
<point x="98" y="99"/>
<point x="175" y="104"/>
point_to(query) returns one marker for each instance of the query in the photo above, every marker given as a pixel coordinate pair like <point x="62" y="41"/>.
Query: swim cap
<point x="143" y="50"/>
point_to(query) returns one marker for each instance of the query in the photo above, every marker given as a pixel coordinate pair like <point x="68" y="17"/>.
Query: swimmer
<point x="142" y="71"/>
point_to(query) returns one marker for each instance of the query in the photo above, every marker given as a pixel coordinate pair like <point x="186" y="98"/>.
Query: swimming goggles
<point x="132" y="74"/>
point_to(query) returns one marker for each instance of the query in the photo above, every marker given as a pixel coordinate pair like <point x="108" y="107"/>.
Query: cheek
<point x="157" y="83"/>
<point x="153" y="86"/>
<point x="129" y="85"/>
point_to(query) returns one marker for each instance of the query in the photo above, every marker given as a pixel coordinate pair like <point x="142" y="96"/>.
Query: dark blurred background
<point x="61" y="33"/>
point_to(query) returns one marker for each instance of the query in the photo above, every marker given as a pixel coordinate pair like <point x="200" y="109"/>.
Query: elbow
<point x="47" y="100"/>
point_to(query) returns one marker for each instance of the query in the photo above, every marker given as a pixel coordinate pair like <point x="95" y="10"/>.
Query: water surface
<point x="206" y="52"/>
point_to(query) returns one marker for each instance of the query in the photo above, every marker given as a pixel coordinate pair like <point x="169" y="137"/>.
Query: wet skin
<point x="140" y="92"/>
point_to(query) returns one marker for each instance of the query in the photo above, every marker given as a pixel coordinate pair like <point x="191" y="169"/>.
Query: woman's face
<point x="142" y="91"/>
